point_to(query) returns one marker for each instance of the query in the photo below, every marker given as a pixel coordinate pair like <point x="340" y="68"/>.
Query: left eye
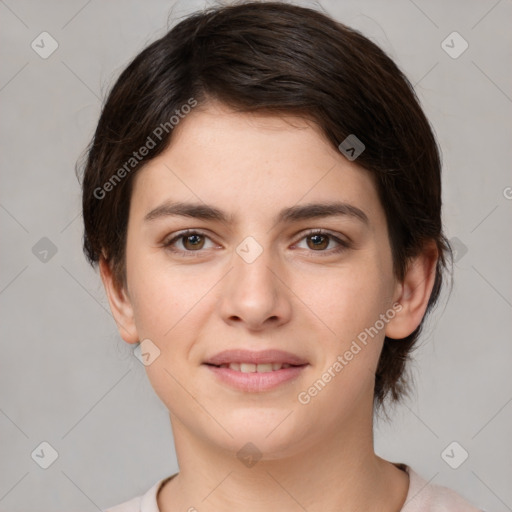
<point x="319" y="240"/>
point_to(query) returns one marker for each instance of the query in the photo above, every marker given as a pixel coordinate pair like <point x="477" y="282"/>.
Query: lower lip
<point x="255" y="382"/>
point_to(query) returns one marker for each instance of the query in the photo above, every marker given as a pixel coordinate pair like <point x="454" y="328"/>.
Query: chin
<point x="267" y="435"/>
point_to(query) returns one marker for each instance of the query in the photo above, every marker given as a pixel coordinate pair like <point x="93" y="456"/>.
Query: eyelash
<point x="343" y="245"/>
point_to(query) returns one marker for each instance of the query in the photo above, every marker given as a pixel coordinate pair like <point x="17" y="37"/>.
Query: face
<point x="258" y="269"/>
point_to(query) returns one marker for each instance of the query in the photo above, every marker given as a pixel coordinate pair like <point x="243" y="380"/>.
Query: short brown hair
<point x="275" y="58"/>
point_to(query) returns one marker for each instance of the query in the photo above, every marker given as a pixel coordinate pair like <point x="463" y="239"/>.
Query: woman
<point x="263" y="198"/>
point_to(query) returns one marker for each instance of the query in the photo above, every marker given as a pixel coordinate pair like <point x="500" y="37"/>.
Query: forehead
<point x="251" y="162"/>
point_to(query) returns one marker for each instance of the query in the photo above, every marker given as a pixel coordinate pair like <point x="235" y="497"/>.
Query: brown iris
<point x="195" y="240"/>
<point x="318" y="245"/>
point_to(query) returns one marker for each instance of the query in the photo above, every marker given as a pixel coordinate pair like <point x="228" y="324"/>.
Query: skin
<point x="295" y="296"/>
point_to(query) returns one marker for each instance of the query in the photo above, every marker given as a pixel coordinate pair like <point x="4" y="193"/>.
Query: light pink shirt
<point x="421" y="497"/>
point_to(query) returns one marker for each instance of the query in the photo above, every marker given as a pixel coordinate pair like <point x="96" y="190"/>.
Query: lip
<point x="256" y="382"/>
<point x="255" y="357"/>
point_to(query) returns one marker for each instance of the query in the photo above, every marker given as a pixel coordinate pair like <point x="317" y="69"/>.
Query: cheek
<point x="352" y="297"/>
<point x="349" y="304"/>
<point x="166" y="300"/>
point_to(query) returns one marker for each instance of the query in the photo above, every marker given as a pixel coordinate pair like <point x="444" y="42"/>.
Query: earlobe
<point x="413" y="293"/>
<point x="120" y="304"/>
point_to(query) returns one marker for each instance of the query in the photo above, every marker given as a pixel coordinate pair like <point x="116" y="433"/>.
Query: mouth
<point x="255" y="371"/>
<point x="246" y="377"/>
<point x="249" y="361"/>
<point x="256" y="368"/>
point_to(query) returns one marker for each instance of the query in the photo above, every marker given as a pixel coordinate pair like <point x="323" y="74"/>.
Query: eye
<point x="318" y="240"/>
<point x="190" y="240"/>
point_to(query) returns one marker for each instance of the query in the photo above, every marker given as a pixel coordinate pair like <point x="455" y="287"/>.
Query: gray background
<point x="66" y="376"/>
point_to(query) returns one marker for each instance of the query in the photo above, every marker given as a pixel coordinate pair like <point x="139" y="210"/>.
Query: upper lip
<point x="259" y="357"/>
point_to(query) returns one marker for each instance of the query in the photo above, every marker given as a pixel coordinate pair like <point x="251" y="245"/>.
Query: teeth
<point x="264" y="368"/>
<point x="247" y="367"/>
<point x="251" y="368"/>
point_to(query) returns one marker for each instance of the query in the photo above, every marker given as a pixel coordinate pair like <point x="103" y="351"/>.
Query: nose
<point x="255" y="293"/>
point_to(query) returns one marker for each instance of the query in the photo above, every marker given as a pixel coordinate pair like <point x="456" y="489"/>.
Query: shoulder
<point x="132" y="505"/>
<point x="426" y="497"/>
<point x="147" y="502"/>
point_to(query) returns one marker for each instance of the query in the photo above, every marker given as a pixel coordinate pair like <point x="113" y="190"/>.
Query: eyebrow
<point x="290" y="214"/>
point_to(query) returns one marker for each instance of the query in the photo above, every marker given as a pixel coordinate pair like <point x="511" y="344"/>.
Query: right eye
<point x="191" y="241"/>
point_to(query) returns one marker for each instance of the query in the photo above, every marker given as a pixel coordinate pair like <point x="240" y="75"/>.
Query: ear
<point x="413" y="293"/>
<point x="120" y="304"/>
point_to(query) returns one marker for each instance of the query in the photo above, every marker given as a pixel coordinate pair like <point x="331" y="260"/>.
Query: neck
<point x="335" y="471"/>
